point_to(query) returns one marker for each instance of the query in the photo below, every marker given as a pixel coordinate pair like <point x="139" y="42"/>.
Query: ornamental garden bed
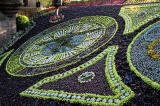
<point x="84" y="59"/>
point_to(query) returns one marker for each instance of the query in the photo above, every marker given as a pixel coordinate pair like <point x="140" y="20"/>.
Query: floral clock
<point x="65" y="44"/>
<point x="61" y="45"/>
<point x="95" y="80"/>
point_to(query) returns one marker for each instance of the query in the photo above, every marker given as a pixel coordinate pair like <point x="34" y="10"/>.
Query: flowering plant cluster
<point x="50" y="9"/>
<point x="91" y="2"/>
<point x="54" y="19"/>
<point x="151" y="49"/>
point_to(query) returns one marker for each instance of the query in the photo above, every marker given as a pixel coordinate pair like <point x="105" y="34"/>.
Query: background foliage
<point x="22" y="22"/>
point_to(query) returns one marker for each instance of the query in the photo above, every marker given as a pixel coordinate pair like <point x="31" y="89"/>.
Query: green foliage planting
<point x="121" y="91"/>
<point x="20" y="34"/>
<point x="139" y="61"/>
<point x="54" y="46"/>
<point x="22" y="22"/>
<point x="47" y="2"/>
<point x="137" y="15"/>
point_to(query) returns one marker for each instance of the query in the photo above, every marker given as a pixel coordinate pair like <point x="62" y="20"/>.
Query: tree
<point x="47" y="2"/>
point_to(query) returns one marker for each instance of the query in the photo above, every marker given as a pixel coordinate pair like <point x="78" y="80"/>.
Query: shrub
<point x="22" y="22"/>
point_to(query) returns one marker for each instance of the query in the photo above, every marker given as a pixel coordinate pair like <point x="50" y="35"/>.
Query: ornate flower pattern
<point x="86" y="77"/>
<point x="143" y="59"/>
<point x="61" y="45"/>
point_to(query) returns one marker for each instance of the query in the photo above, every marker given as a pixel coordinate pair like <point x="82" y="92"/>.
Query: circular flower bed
<point x="143" y="55"/>
<point x="61" y="45"/>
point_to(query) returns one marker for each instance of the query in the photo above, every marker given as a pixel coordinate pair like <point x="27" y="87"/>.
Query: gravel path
<point x="10" y="87"/>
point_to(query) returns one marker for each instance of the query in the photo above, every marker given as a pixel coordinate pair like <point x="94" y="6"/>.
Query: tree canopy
<point x="47" y="2"/>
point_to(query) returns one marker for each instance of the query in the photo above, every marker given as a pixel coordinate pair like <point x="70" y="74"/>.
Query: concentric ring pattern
<point x="61" y="45"/>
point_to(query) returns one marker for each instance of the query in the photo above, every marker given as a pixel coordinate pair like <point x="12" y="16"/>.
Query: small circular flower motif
<point x="86" y="77"/>
<point x="141" y="14"/>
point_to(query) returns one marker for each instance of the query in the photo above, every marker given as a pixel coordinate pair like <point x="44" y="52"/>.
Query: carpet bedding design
<point x="61" y="45"/>
<point x="84" y="59"/>
<point x="143" y="64"/>
<point x="4" y="56"/>
<point x="137" y="15"/>
<point x="96" y="92"/>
